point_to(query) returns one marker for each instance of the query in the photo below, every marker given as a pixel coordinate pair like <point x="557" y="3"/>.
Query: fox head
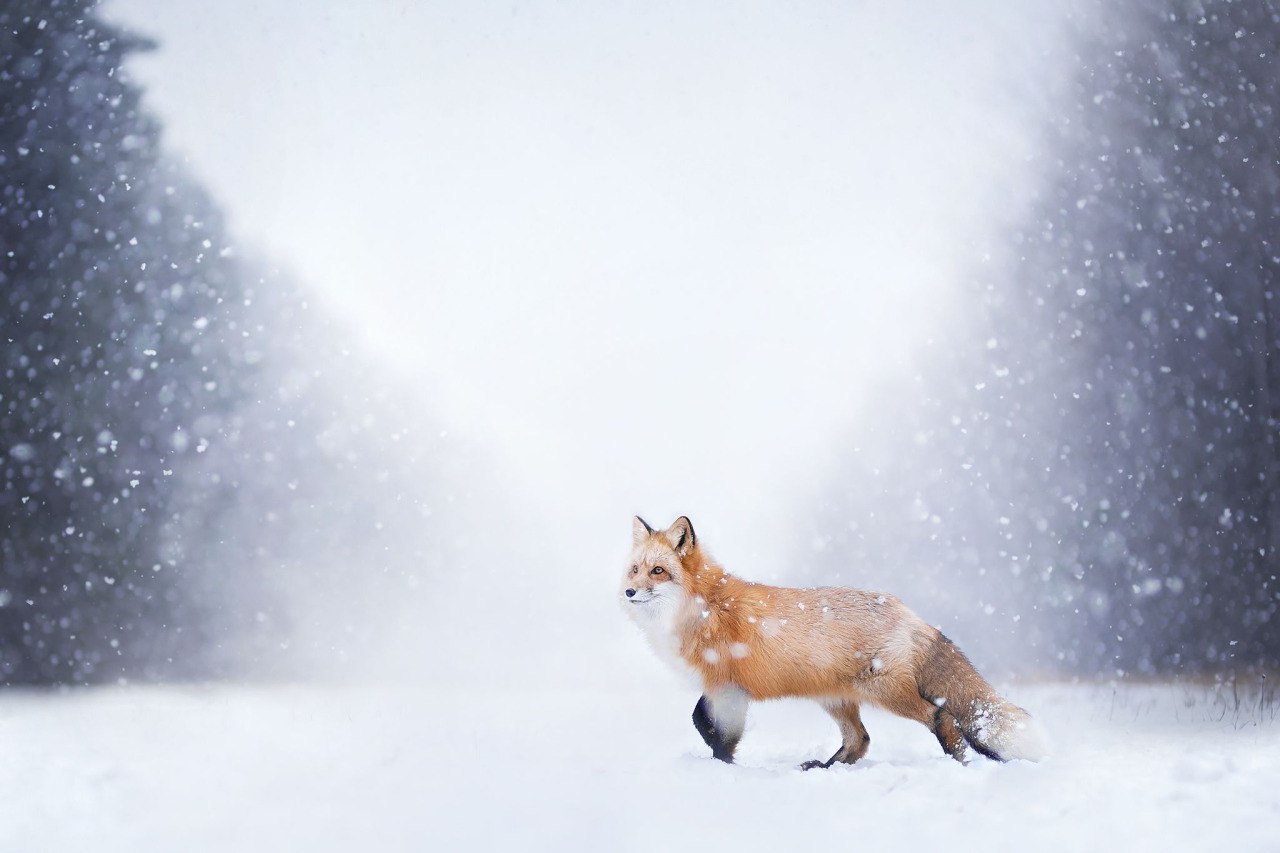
<point x="655" y="574"/>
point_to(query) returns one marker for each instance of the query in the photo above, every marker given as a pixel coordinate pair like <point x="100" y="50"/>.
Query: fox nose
<point x="630" y="593"/>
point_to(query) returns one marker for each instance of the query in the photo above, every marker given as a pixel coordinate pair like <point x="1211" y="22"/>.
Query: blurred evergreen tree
<point x="187" y="447"/>
<point x="1146" y="359"/>
<point x="119" y="305"/>
<point x="1106" y="463"/>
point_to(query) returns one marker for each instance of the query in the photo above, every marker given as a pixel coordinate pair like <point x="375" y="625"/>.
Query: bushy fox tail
<point x="970" y="707"/>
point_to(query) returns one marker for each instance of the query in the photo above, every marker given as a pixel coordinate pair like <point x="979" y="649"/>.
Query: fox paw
<point x="814" y="764"/>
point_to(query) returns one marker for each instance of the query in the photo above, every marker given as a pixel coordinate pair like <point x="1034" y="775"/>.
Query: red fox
<point x="843" y="647"/>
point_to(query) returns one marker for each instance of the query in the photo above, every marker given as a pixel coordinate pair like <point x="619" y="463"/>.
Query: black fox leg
<point x="714" y="738"/>
<point x="854" y="738"/>
<point x="720" y="718"/>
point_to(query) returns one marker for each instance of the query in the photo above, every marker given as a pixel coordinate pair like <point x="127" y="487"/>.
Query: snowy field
<point x="1165" y="767"/>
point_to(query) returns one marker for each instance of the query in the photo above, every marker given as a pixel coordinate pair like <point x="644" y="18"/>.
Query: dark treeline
<point x="1090" y="469"/>
<point x="183" y="440"/>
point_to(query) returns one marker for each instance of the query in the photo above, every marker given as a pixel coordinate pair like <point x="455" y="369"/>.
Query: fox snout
<point x="636" y="595"/>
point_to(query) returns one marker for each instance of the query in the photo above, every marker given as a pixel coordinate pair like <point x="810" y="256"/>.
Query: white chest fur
<point x="660" y="620"/>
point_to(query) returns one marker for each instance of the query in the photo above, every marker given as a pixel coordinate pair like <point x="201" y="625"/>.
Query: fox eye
<point x="657" y="570"/>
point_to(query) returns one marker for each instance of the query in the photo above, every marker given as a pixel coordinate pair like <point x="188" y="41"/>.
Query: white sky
<point x="652" y="254"/>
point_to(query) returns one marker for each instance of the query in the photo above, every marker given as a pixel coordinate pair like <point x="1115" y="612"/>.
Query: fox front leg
<point x="721" y="747"/>
<point x="720" y="717"/>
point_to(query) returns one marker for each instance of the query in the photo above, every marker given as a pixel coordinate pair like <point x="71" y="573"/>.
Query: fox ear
<point x="639" y="530"/>
<point x="681" y="535"/>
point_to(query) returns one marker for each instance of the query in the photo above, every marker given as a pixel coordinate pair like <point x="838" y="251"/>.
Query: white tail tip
<point x="1022" y="737"/>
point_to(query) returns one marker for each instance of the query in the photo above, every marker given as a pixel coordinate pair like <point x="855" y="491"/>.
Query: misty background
<point x="345" y="341"/>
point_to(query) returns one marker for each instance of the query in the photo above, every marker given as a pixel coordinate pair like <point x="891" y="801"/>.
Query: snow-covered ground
<point x="1165" y="767"/>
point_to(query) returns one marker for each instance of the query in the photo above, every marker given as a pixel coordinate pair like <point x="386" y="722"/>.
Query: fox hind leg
<point x="905" y="700"/>
<point x="720" y="717"/>
<point x="853" y="735"/>
<point x="948" y="733"/>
